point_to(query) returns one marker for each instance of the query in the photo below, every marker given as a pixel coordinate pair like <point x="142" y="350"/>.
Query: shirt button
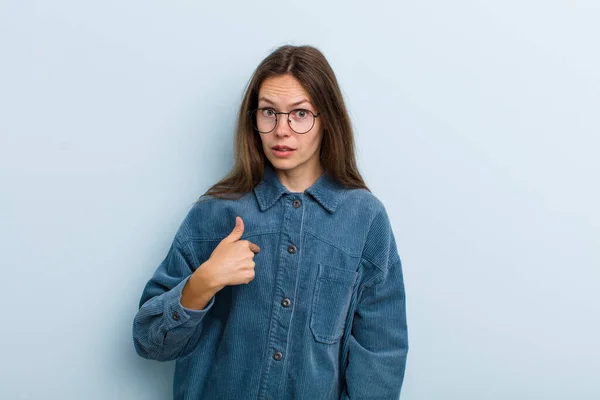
<point x="176" y="316"/>
<point x="285" y="302"/>
<point x="277" y="356"/>
<point x="291" y="249"/>
<point x="296" y="203"/>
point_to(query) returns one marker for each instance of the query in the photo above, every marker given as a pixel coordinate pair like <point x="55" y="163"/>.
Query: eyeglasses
<point x="264" y="120"/>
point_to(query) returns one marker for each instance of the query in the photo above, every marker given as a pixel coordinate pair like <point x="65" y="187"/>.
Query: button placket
<point x="285" y="281"/>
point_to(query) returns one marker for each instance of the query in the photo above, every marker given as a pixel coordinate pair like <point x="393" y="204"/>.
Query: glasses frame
<point x="254" y="125"/>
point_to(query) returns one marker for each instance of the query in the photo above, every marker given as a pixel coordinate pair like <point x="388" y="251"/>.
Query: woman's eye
<point x="268" y="112"/>
<point x="300" y="114"/>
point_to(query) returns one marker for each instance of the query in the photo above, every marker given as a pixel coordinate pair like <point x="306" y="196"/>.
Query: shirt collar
<point x="326" y="190"/>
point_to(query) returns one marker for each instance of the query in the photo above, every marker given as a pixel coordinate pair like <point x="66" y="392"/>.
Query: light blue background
<point x="477" y="125"/>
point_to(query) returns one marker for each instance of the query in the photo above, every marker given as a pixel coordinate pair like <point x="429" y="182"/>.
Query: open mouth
<point x="282" y="151"/>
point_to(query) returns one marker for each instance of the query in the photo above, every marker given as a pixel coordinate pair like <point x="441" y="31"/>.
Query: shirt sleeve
<point x="378" y="340"/>
<point x="162" y="328"/>
<point x="378" y="344"/>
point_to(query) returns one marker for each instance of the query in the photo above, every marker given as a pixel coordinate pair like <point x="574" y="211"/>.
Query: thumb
<point x="238" y="230"/>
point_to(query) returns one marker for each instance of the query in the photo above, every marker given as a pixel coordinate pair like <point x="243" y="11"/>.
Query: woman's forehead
<point x="282" y="90"/>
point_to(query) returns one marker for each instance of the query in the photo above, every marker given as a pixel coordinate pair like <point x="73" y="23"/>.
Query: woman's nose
<point x="283" y="127"/>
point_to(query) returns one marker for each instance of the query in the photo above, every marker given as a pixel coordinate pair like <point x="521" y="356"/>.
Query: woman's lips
<point x="282" y="153"/>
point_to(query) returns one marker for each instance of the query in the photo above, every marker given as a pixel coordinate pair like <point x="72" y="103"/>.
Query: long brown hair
<point x="308" y="65"/>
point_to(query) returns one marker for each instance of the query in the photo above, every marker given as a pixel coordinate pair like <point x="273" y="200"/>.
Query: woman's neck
<point x="298" y="179"/>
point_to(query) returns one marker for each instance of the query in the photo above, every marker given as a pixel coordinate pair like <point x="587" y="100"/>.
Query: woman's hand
<point x="231" y="263"/>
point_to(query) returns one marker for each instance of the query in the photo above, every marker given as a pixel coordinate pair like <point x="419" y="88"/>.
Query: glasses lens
<point x="301" y="121"/>
<point x="264" y="120"/>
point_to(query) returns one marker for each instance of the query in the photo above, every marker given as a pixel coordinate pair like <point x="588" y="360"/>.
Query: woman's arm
<point x="178" y="296"/>
<point x="163" y="327"/>
<point x="378" y="344"/>
<point x="378" y="341"/>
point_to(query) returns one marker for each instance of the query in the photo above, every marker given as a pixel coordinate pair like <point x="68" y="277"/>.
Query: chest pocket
<point x="333" y="292"/>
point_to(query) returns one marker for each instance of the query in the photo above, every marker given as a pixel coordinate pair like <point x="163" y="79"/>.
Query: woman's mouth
<point x="282" y="151"/>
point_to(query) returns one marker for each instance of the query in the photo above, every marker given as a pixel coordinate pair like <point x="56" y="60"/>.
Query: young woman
<point x="284" y="280"/>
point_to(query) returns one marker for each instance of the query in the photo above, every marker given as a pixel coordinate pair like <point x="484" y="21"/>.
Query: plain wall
<point x="477" y="125"/>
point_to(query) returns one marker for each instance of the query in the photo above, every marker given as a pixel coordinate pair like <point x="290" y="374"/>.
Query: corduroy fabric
<point x="343" y="334"/>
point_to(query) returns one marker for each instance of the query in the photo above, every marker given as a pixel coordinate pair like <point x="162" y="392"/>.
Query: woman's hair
<point x="309" y="66"/>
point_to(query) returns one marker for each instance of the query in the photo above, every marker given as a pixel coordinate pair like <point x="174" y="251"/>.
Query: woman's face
<point x="285" y="93"/>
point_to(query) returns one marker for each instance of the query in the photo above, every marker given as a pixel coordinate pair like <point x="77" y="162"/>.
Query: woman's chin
<point x="283" y="164"/>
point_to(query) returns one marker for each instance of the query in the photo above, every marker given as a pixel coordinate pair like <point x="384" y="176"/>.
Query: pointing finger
<point x="255" y="249"/>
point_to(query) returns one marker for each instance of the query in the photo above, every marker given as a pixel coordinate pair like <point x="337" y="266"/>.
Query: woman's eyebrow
<point x="291" y="105"/>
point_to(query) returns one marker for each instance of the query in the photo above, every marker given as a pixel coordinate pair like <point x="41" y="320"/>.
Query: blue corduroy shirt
<point x="324" y="317"/>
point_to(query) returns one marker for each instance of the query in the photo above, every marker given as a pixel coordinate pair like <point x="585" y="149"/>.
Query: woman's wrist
<point x="199" y="289"/>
